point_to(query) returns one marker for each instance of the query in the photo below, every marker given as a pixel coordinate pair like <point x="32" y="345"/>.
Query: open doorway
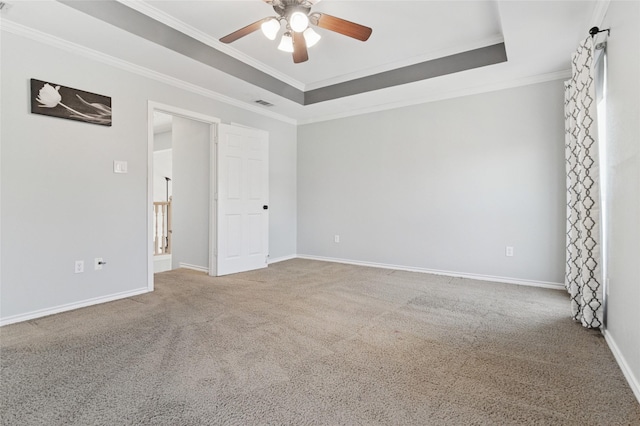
<point x="181" y="180"/>
<point x="162" y="191"/>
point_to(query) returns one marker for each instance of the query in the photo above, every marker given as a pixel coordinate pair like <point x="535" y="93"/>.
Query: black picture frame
<point x="60" y="101"/>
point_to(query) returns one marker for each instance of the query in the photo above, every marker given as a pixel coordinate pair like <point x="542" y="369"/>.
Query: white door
<point x="243" y="199"/>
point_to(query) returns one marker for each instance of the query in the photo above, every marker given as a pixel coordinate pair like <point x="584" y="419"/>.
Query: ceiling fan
<point x="299" y="35"/>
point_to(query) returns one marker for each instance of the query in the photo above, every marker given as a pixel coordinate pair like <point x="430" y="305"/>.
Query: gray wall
<point x="441" y="186"/>
<point x="162" y="166"/>
<point x="191" y="183"/>
<point x="162" y="141"/>
<point x="61" y="201"/>
<point x="623" y="175"/>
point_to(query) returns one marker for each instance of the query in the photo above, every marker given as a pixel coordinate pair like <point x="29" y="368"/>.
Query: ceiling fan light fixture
<point x="299" y="21"/>
<point x="286" y="43"/>
<point x="298" y="35"/>
<point x="311" y="37"/>
<point x="270" y="28"/>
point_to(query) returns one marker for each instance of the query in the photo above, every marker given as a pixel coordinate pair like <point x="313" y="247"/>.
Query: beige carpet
<point x="315" y="343"/>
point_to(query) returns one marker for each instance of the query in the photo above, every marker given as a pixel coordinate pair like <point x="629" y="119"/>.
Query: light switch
<point x="119" y="166"/>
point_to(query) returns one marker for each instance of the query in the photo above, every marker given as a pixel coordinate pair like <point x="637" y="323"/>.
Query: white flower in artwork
<point x="49" y="96"/>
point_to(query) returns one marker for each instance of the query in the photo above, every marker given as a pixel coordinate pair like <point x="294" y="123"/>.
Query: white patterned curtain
<point x="583" y="270"/>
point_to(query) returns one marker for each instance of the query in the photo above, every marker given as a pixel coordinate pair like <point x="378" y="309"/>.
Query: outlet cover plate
<point x="120" y="166"/>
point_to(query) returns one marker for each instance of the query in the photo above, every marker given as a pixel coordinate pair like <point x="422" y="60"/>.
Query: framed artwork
<point x="73" y="104"/>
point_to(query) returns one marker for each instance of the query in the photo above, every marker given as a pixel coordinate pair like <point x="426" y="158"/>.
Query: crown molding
<point x="24" y="31"/>
<point x="205" y="38"/>
<point x="560" y="75"/>
<point x="42" y="37"/>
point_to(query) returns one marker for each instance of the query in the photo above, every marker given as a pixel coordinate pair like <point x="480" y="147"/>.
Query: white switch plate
<point x="120" y="166"/>
<point x="508" y="251"/>
<point x="97" y="263"/>
<point x="336" y="238"/>
<point x="79" y="267"/>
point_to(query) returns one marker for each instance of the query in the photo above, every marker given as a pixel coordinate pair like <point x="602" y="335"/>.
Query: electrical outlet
<point x="97" y="263"/>
<point x="508" y="251"/>
<point x="79" y="268"/>
<point x="336" y="238"/>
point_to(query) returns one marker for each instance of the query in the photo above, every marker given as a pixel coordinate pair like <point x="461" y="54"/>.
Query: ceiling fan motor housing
<point x="285" y="8"/>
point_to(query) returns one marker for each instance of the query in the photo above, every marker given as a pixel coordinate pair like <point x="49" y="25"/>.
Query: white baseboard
<point x="71" y="306"/>
<point x="634" y="382"/>
<point x="282" y="259"/>
<point x="161" y="263"/>
<point x="507" y="280"/>
<point x="193" y="267"/>
<point x="104" y="299"/>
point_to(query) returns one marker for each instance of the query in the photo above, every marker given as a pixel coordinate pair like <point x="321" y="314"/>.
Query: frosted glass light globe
<point x="286" y="43"/>
<point x="298" y="21"/>
<point x="311" y="37"/>
<point x="270" y="28"/>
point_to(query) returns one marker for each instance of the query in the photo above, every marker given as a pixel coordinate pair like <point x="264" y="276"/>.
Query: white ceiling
<point x="539" y="37"/>
<point x="398" y="37"/>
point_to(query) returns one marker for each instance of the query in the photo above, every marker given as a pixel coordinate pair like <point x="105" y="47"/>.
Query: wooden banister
<point x="162" y="227"/>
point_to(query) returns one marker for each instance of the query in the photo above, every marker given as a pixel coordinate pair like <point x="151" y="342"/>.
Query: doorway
<point x="162" y="192"/>
<point x="219" y="194"/>
<point x="190" y="188"/>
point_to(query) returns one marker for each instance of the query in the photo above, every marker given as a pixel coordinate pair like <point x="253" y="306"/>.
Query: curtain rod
<point x="595" y="30"/>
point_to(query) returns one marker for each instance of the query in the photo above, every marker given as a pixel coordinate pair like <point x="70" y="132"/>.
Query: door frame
<point x="213" y="181"/>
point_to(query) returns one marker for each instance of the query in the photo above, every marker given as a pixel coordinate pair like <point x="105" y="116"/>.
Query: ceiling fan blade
<point x="300" y="53"/>
<point x="344" y="27"/>
<point x="243" y="31"/>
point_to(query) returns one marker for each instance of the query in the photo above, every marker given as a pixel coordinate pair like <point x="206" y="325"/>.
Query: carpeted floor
<point x="314" y="343"/>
